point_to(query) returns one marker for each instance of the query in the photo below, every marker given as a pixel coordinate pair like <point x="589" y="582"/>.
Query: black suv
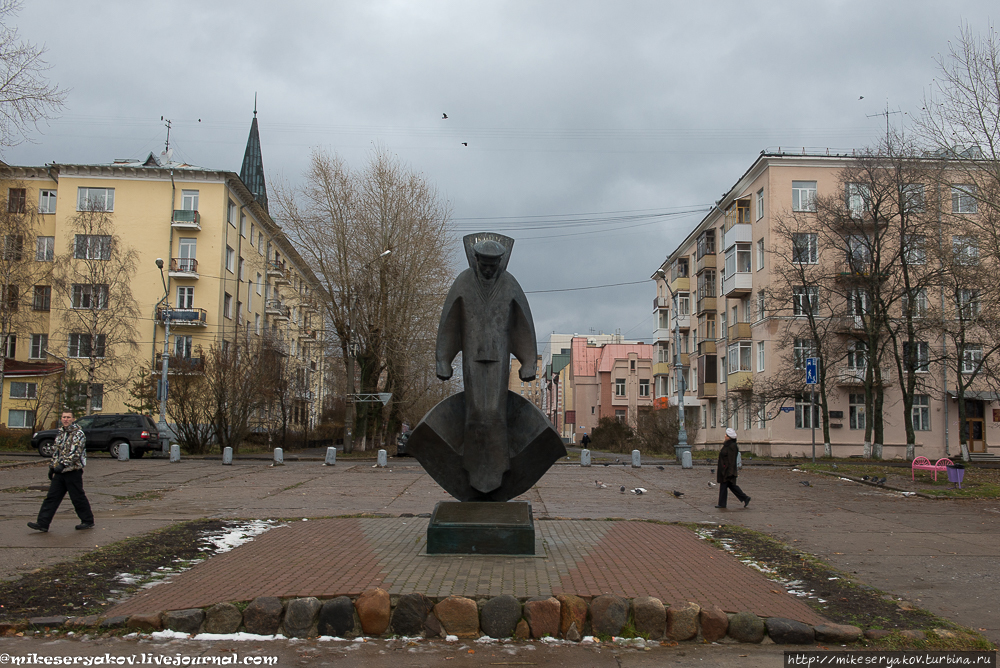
<point x="108" y="433"/>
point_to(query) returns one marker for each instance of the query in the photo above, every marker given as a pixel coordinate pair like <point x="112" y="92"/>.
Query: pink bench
<point x="924" y="464"/>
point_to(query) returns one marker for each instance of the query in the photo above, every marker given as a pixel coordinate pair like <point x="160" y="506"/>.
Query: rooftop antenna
<point x="885" y="113"/>
<point x="166" y="148"/>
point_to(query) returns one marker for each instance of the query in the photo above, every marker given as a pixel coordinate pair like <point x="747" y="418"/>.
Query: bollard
<point x="636" y="462"/>
<point x="279" y="457"/>
<point x="585" y="457"/>
<point x="331" y="457"/>
<point x="123" y="452"/>
<point x="227" y="455"/>
<point x="686" y="459"/>
<point x="175" y="453"/>
<point x="382" y="459"/>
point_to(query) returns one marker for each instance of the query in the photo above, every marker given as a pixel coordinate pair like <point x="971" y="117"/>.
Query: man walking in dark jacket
<point x="726" y="471"/>
<point x="66" y="474"/>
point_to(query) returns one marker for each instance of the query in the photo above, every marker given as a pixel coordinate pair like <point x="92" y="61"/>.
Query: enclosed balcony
<point x="738" y="284"/>
<point x="706" y="347"/>
<point x="741" y="381"/>
<point x="708" y="376"/>
<point x="683" y="321"/>
<point x="183" y="317"/>
<point x="183" y="267"/>
<point x="180" y="365"/>
<point x="705" y="262"/>
<point x="705" y="305"/>
<point x="184" y="219"/>
<point x="662" y="368"/>
<point x="739" y="330"/>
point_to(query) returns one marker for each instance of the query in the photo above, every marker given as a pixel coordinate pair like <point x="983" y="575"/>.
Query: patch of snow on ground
<point x="241" y="636"/>
<point x="233" y="537"/>
<point x="451" y="638"/>
<point x="166" y="635"/>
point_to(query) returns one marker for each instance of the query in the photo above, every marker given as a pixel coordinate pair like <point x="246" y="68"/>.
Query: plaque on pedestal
<point x="481" y="528"/>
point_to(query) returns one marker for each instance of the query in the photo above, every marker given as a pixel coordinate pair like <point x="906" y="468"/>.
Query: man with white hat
<point x="726" y="471"/>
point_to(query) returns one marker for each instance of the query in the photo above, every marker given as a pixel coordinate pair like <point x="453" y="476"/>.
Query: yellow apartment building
<point x="227" y="267"/>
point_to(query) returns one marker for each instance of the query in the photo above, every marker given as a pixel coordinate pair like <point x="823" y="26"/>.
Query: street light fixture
<point x="162" y="426"/>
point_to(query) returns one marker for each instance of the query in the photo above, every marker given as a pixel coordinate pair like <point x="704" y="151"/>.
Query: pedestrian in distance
<point x="66" y="475"/>
<point x="585" y="441"/>
<point x="726" y="471"/>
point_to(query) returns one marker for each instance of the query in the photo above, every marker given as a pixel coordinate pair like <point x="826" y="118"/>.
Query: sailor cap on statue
<point x="489" y="248"/>
<point x="731" y="433"/>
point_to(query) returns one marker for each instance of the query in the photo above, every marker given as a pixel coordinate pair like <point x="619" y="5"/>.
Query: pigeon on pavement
<point x="881" y="481"/>
<point x="711" y="470"/>
<point x="600" y="485"/>
<point x="661" y="468"/>
<point x="622" y="490"/>
<point x="805" y="483"/>
<point x="864" y="477"/>
<point x="711" y="484"/>
<point x="639" y="490"/>
<point x="678" y="494"/>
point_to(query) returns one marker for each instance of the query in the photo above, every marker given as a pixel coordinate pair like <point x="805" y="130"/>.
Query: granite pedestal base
<point x="474" y="527"/>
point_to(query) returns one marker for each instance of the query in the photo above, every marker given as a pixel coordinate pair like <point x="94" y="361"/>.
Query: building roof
<point x="619" y="351"/>
<point x="584" y="357"/>
<point x="15" y="368"/>
<point x="252" y="171"/>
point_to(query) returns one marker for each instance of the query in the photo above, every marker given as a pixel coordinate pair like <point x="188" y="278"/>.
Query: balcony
<point x="707" y="390"/>
<point x="740" y="232"/>
<point x="741" y="381"/>
<point x="283" y="278"/>
<point x="739" y="330"/>
<point x="855" y="376"/>
<point x="683" y="321"/>
<point x="275" y="270"/>
<point x="661" y="302"/>
<point x="183" y="267"/>
<point x="690" y="401"/>
<point x="706" y="304"/>
<point x="307" y="334"/>
<point x="706" y="261"/>
<point x="185" y="220"/>
<point x="277" y="309"/>
<point x="662" y="368"/>
<point x="740" y="283"/>
<point x="663" y="334"/>
<point x="180" y="365"/>
<point x="184" y="317"/>
<point x="706" y="347"/>
<point x="680" y="284"/>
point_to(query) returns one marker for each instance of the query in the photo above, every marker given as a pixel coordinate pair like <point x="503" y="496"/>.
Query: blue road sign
<point x="812" y="370"/>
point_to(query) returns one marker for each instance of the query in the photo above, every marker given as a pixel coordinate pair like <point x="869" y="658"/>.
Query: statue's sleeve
<point x="522" y="335"/>
<point x="449" y="338"/>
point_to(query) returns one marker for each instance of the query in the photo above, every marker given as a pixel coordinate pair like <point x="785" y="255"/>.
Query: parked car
<point x="401" y="444"/>
<point x="108" y="433"/>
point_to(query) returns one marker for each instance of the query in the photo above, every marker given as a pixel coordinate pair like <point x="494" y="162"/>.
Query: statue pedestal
<point x="474" y="527"/>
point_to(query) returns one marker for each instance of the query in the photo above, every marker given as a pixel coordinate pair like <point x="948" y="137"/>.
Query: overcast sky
<point x="598" y="133"/>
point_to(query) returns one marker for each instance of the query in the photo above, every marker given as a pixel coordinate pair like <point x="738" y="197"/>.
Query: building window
<point x="968" y="303"/>
<point x="80" y="345"/>
<point x="805" y="248"/>
<point x="760" y="355"/>
<point x="16" y="200"/>
<point x="260" y="243"/>
<point x="92" y="247"/>
<point x="13" y="247"/>
<point x="230" y="260"/>
<point x="917" y="356"/>
<point x="856" y="409"/>
<point x="189" y="200"/>
<point x="45" y="249"/>
<point x="11" y="297"/>
<point x="20" y="419"/>
<point x="804" y="417"/>
<point x="739" y="357"/>
<point x="22" y="390"/>
<point x="183" y="346"/>
<point x="46" y="201"/>
<point x="803" y="195"/>
<point x="801" y="351"/>
<point x="857" y="356"/>
<point x="858" y="199"/>
<point x="42" y="300"/>
<point x="805" y="300"/>
<point x="227" y="305"/>
<point x="231" y="213"/>
<point x="87" y="296"/>
<point x="965" y="250"/>
<point x="683" y="304"/>
<point x="620" y="415"/>
<point x="643" y="387"/>
<point x="11" y="349"/>
<point x="243" y="225"/>
<point x="242" y="274"/>
<point x="260" y="282"/>
<point x="252" y="232"/>
<point x="619" y="387"/>
<point x="921" y="412"/>
<point x="95" y="199"/>
<point x="919" y="303"/>
<point x="723" y="325"/>
<point x="913" y="198"/>
<point x="914" y="249"/>
<point x="972" y="358"/>
<point x="963" y="199"/>
<point x="760" y="254"/>
<point x="39" y="344"/>
<point x="256" y="323"/>
<point x="714" y="412"/>
<point x="761" y="304"/>
<point x="760" y="204"/>
<point x="859" y="254"/>
<point x="185" y="297"/>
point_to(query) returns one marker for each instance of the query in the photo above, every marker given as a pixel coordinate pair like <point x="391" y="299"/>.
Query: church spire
<point x="252" y="172"/>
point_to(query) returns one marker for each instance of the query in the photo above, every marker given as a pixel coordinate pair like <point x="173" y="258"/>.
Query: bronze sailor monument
<point x="485" y="445"/>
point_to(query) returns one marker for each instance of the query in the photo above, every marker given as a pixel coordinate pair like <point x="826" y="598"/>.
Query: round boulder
<point x="263" y="615"/>
<point x="410" y="614"/>
<point x="499" y="616"/>
<point x="608" y="615"/>
<point x="337" y="618"/>
<point x="223" y="618"/>
<point x="746" y="627"/>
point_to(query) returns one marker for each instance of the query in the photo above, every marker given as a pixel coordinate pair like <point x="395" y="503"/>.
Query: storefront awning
<point x="981" y="396"/>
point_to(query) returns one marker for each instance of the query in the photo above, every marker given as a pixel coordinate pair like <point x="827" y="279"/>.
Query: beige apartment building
<point x="530" y="390"/>
<point x="228" y="268"/>
<point x="733" y="339"/>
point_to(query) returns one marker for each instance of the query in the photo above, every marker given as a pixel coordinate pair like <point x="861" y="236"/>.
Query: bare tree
<point x="99" y="312"/>
<point x="190" y="405"/>
<point x="26" y="97"/>
<point x="378" y="239"/>
<point x="234" y="375"/>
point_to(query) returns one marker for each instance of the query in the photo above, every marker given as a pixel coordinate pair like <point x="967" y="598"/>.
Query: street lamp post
<point x="162" y="426"/>
<point x="351" y="353"/>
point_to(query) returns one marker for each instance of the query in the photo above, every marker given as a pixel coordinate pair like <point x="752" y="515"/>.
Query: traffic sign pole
<point x="812" y="376"/>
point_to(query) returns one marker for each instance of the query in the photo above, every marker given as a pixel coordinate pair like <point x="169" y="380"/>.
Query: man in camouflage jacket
<point x="66" y="474"/>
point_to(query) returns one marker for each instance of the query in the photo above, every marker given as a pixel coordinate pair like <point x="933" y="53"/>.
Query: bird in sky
<point x="444" y="116"/>
<point x="862" y="97"/>
<point x="465" y="143"/>
<point x="678" y="494"/>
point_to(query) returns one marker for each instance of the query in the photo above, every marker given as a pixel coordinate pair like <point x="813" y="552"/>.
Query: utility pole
<point x="682" y="442"/>
<point x="162" y="426"/>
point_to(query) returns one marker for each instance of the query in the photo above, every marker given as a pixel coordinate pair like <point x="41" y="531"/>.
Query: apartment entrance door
<point x="975" y="425"/>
